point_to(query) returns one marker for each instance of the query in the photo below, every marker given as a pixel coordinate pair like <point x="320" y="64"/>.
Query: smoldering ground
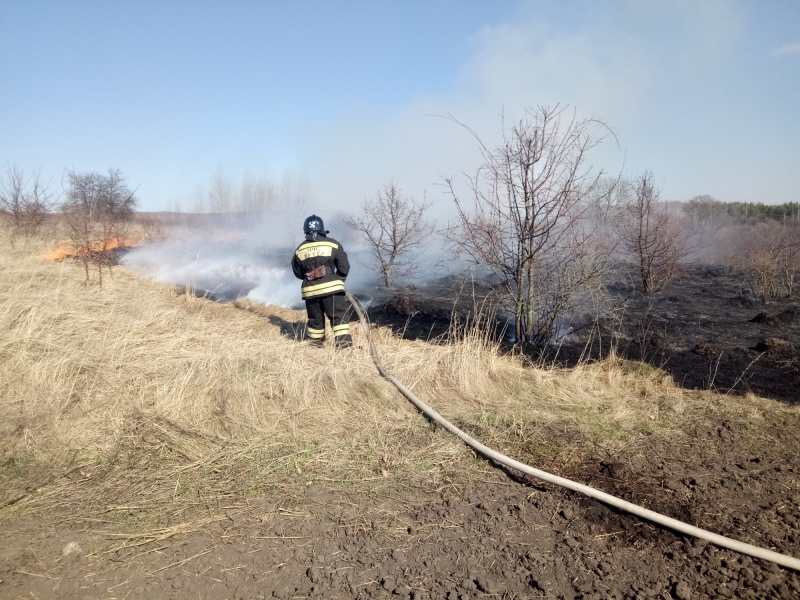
<point x="226" y="259"/>
<point x="217" y="270"/>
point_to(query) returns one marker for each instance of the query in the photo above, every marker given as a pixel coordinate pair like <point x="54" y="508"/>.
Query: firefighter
<point x="322" y="264"/>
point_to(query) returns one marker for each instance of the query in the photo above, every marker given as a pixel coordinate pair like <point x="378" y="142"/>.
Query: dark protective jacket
<point x="313" y="254"/>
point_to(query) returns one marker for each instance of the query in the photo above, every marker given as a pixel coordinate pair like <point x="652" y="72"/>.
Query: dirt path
<point x="498" y="538"/>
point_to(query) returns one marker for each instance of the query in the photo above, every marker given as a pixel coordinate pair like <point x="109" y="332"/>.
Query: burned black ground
<point x="705" y="328"/>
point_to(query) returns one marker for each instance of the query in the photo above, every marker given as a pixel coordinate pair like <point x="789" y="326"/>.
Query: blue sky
<point x="345" y="95"/>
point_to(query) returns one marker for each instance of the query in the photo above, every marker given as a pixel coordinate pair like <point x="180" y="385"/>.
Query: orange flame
<point x="65" y="250"/>
<point x="61" y="252"/>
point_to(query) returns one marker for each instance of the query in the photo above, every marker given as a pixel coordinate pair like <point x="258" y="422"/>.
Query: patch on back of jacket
<point x="317" y="273"/>
<point x="313" y="249"/>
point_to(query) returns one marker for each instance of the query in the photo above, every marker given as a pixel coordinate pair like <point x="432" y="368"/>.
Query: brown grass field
<point x="137" y="412"/>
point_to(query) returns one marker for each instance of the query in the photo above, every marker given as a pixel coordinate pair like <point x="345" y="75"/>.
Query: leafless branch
<point x="528" y="217"/>
<point x="394" y="227"/>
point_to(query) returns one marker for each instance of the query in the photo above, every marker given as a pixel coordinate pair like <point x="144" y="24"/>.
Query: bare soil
<point x="504" y="536"/>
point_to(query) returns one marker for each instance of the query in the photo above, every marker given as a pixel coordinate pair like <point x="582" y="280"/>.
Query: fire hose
<point x="644" y="513"/>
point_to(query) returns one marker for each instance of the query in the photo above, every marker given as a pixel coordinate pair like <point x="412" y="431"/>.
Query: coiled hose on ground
<point x="720" y="540"/>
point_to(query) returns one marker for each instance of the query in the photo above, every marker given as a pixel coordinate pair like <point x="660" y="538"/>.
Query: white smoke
<point x="277" y="292"/>
<point x="221" y="271"/>
<point x="236" y="255"/>
<point x="227" y="257"/>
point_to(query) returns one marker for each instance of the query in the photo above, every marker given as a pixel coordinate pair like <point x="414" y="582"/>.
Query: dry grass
<point x="144" y="407"/>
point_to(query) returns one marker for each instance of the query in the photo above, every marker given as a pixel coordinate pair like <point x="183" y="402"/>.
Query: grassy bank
<point x="143" y="407"/>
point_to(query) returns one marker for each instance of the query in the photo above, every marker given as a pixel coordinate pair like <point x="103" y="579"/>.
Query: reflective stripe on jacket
<point x="312" y="254"/>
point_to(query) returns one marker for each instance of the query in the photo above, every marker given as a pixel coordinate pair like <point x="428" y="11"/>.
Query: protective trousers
<point x="335" y="308"/>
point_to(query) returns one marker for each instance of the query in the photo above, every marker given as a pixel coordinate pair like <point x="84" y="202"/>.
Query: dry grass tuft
<point x="149" y="409"/>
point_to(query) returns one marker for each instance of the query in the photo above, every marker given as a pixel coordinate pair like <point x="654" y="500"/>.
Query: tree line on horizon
<point x="744" y="211"/>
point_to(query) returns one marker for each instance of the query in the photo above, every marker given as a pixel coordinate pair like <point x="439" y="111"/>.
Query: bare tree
<point x="97" y="210"/>
<point x="256" y="196"/>
<point x="200" y="200"/>
<point x="769" y="256"/>
<point x="789" y="262"/>
<point x="653" y="236"/>
<point x="527" y="223"/>
<point x="26" y="201"/>
<point x="394" y="228"/>
<point x="220" y="193"/>
<point x="152" y="228"/>
<point x="706" y="214"/>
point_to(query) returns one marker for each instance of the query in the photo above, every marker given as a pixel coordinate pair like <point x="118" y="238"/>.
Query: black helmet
<point x="314" y="224"/>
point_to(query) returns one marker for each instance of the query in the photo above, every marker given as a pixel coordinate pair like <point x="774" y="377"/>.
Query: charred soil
<point x="706" y="329"/>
